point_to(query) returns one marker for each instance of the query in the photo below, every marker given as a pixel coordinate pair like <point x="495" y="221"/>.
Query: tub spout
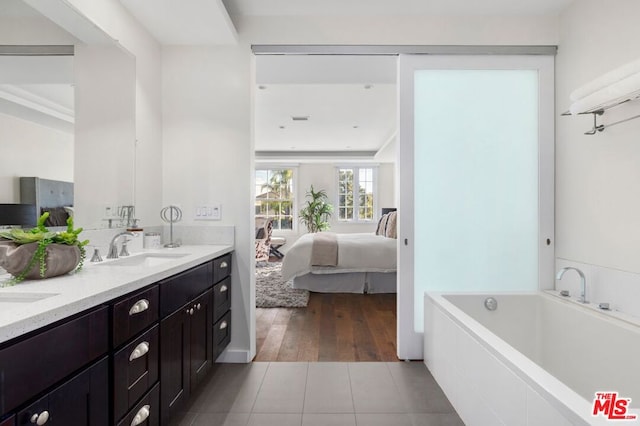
<point x="583" y="282"/>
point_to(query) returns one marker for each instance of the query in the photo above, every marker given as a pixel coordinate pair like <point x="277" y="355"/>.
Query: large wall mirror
<point x="67" y="108"/>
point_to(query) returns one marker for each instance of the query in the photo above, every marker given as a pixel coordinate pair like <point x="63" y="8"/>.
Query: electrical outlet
<point x="208" y="212"/>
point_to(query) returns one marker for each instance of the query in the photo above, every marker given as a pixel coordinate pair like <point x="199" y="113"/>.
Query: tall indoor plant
<point x="317" y="211"/>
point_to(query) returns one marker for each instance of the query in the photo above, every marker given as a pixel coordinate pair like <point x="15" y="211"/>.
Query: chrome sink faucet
<point x="113" y="247"/>
<point x="583" y="282"/>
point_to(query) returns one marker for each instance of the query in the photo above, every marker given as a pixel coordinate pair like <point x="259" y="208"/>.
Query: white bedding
<point x="356" y="253"/>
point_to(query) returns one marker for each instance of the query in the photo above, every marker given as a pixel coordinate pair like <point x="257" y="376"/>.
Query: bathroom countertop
<point x="95" y="284"/>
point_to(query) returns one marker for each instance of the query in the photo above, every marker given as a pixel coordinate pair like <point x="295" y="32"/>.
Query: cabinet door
<point x="81" y="401"/>
<point x="201" y="318"/>
<point x="174" y="367"/>
<point x="11" y="421"/>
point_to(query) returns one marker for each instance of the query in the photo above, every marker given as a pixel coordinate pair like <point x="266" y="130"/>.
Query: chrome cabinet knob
<point x="198" y="306"/>
<point x="140" y="306"/>
<point x="139" y="351"/>
<point x="223" y="288"/>
<point x="223" y="265"/>
<point x="141" y="415"/>
<point x="40" y="419"/>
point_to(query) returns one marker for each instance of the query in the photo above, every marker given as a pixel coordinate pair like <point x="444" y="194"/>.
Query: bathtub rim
<point x="564" y="399"/>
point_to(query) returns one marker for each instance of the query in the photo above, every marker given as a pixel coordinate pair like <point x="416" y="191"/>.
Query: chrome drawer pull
<point x="40" y="419"/>
<point x="139" y="351"/>
<point x="141" y="416"/>
<point x="223" y="265"/>
<point x="223" y="288"/>
<point x="223" y="325"/>
<point x="140" y="306"/>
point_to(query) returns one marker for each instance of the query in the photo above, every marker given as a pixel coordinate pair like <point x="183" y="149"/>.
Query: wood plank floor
<point x="333" y="327"/>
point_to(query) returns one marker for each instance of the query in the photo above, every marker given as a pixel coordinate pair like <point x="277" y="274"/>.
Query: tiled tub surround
<point x="536" y="360"/>
<point x="93" y="285"/>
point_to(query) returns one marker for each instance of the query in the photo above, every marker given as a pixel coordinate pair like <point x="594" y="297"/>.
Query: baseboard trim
<point x="236" y="356"/>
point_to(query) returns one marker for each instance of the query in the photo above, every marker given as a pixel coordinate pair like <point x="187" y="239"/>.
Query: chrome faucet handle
<point x="124" y="251"/>
<point x="96" y="255"/>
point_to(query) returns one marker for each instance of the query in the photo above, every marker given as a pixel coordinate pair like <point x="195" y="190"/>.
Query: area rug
<point x="273" y="292"/>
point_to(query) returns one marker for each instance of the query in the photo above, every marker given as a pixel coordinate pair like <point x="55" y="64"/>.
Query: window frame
<point x="356" y="204"/>
<point x="294" y="184"/>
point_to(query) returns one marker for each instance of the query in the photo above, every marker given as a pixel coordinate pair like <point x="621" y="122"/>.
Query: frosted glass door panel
<point x="476" y="182"/>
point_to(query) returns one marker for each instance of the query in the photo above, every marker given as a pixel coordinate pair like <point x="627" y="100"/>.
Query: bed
<point x="366" y="263"/>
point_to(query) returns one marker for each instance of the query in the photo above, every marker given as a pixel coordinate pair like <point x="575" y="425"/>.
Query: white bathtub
<point x="536" y="360"/>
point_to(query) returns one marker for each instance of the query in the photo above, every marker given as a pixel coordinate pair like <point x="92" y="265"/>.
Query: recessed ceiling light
<point x="300" y="118"/>
<point x="355" y="127"/>
<point x="368" y="86"/>
<point x="282" y="127"/>
<point x="262" y="87"/>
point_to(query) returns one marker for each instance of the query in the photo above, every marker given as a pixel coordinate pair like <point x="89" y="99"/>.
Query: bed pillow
<point x="381" y="229"/>
<point x="391" y="229"/>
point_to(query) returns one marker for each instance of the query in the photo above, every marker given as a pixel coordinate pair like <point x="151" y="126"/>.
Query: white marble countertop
<point x="28" y="305"/>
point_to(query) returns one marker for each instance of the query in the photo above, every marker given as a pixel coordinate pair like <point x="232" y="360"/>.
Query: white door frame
<point x="410" y="342"/>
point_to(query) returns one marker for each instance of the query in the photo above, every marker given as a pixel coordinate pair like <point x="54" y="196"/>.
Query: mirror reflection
<point x="67" y="111"/>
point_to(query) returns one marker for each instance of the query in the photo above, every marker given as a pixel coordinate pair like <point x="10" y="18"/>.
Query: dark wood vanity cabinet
<point x="81" y="401"/>
<point x="189" y="343"/>
<point x="40" y="362"/>
<point x="134" y="360"/>
<point x="186" y="352"/>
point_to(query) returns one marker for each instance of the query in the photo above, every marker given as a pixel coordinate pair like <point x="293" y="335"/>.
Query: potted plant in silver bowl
<point x="39" y="253"/>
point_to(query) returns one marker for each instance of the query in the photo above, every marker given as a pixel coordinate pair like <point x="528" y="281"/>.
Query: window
<point x="274" y="196"/>
<point x="356" y="193"/>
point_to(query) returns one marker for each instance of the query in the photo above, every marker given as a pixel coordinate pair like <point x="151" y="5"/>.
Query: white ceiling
<point x="191" y="22"/>
<point x="343" y="115"/>
<point x="395" y="7"/>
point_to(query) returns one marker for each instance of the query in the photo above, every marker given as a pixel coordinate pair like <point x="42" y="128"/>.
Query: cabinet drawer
<point x="133" y="314"/>
<point x="221" y="298"/>
<point x="135" y="370"/>
<point x="221" y="334"/>
<point x="81" y="401"/>
<point x="37" y="363"/>
<point x="182" y="288"/>
<point x="147" y="411"/>
<point x="221" y="267"/>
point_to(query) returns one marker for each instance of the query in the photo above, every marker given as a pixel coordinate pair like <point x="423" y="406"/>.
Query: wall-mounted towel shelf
<point x="597" y="111"/>
<point x="614" y="88"/>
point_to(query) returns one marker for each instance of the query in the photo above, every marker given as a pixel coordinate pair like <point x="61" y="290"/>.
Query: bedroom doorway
<point x="327" y="121"/>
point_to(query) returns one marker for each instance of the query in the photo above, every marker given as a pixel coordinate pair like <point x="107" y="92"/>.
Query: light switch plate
<point x="208" y="212"/>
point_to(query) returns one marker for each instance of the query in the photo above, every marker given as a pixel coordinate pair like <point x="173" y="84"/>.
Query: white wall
<point x="597" y="177"/>
<point x="29" y="149"/>
<point x="208" y="153"/>
<point x="208" y="158"/>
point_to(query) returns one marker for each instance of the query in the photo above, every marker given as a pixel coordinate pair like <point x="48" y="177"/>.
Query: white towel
<point x="605" y="80"/>
<point x="627" y="88"/>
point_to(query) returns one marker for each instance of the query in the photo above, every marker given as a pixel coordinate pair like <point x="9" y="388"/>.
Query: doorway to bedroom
<point x="325" y="132"/>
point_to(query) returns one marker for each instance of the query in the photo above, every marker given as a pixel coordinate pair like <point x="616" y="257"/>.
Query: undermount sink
<point x="8" y="300"/>
<point x="145" y="259"/>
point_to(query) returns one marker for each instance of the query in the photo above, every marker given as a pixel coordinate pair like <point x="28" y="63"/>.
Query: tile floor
<point x="320" y="394"/>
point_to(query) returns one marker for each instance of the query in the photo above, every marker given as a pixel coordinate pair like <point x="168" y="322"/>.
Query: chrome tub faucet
<point x="583" y="282"/>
